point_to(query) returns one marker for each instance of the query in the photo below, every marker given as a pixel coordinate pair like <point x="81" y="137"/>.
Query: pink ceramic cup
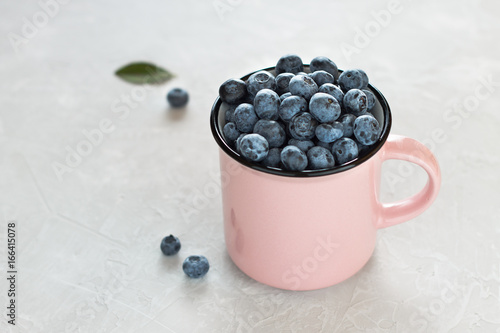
<point x="312" y="229"/>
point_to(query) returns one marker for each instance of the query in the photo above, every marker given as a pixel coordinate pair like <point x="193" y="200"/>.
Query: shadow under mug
<point x="315" y="228"/>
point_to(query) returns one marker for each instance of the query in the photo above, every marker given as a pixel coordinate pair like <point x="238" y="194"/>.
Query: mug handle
<point x="403" y="148"/>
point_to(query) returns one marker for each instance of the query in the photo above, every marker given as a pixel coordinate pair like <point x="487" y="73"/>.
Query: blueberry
<point x="260" y="80"/>
<point x="370" y="99"/>
<point x="285" y="95"/>
<point x="303" y="86"/>
<point x="329" y="132"/>
<point x="248" y="100"/>
<point x="237" y="143"/>
<point x="282" y="82"/>
<point x="366" y="130"/>
<point x="266" y="104"/>
<point x="293" y="158"/>
<point x="325" y="64"/>
<point x="245" y="117"/>
<point x="273" y="158"/>
<point x="195" y="266"/>
<point x="363" y="149"/>
<point x="170" y="245"/>
<point x="271" y="131"/>
<point x="302" y="126"/>
<point x="177" y="97"/>
<point x="321" y="77"/>
<point x="290" y="106"/>
<point x="254" y="147"/>
<point x="303" y="145"/>
<point x="233" y="91"/>
<point x="282" y="124"/>
<point x="324" y="107"/>
<point x="353" y="79"/>
<point x="347" y="121"/>
<point x="355" y="102"/>
<point x="333" y="90"/>
<point x="320" y="158"/>
<point x="324" y="144"/>
<point x="289" y="63"/>
<point x="231" y="133"/>
<point x="230" y="114"/>
<point x="345" y="150"/>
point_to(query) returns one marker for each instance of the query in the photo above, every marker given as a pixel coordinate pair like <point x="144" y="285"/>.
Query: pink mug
<point x="313" y="229"/>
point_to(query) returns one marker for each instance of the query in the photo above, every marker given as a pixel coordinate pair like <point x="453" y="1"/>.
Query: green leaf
<point x="144" y="73"/>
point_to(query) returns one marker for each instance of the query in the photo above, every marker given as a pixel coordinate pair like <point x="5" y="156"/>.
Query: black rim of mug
<point x="219" y="138"/>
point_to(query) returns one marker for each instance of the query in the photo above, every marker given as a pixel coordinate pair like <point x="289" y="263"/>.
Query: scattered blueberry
<point x="254" y="147"/>
<point x="266" y="104"/>
<point x="333" y="90"/>
<point x="366" y="130"/>
<point x="195" y="266"/>
<point x="353" y="79"/>
<point x="260" y="80"/>
<point x="273" y="158"/>
<point x="302" y="126"/>
<point x="303" y="145"/>
<point x="355" y="102"/>
<point x="289" y="63"/>
<point x="285" y="95"/>
<point x="271" y="131"/>
<point x="170" y="245"/>
<point x="303" y="86"/>
<point x="324" y="107"/>
<point x="290" y="106"/>
<point x="320" y="158"/>
<point x="321" y="77"/>
<point x="231" y="133"/>
<point x="245" y="117"/>
<point x="345" y="150"/>
<point x="282" y="82"/>
<point x="347" y="121"/>
<point x="325" y="64"/>
<point x="329" y="132"/>
<point x="177" y="97"/>
<point x="370" y="99"/>
<point x="233" y="91"/>
<point x="293" y="158"/>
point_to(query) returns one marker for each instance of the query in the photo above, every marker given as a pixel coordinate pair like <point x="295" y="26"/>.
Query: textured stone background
<point x="89" y="258"/>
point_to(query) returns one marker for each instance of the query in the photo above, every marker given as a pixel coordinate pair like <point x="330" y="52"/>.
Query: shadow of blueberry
<point x="171" y="264"/>
<point x="176" y="114"/>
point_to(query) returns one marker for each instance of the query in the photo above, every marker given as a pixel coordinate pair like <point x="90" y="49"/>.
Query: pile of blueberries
<point x="297" y="121"/>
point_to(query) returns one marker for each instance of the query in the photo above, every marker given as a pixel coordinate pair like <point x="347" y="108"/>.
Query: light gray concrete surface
<point x="88" y="255"/>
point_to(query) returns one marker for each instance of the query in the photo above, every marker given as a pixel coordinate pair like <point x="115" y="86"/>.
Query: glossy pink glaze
<point x="310" y="233"/>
